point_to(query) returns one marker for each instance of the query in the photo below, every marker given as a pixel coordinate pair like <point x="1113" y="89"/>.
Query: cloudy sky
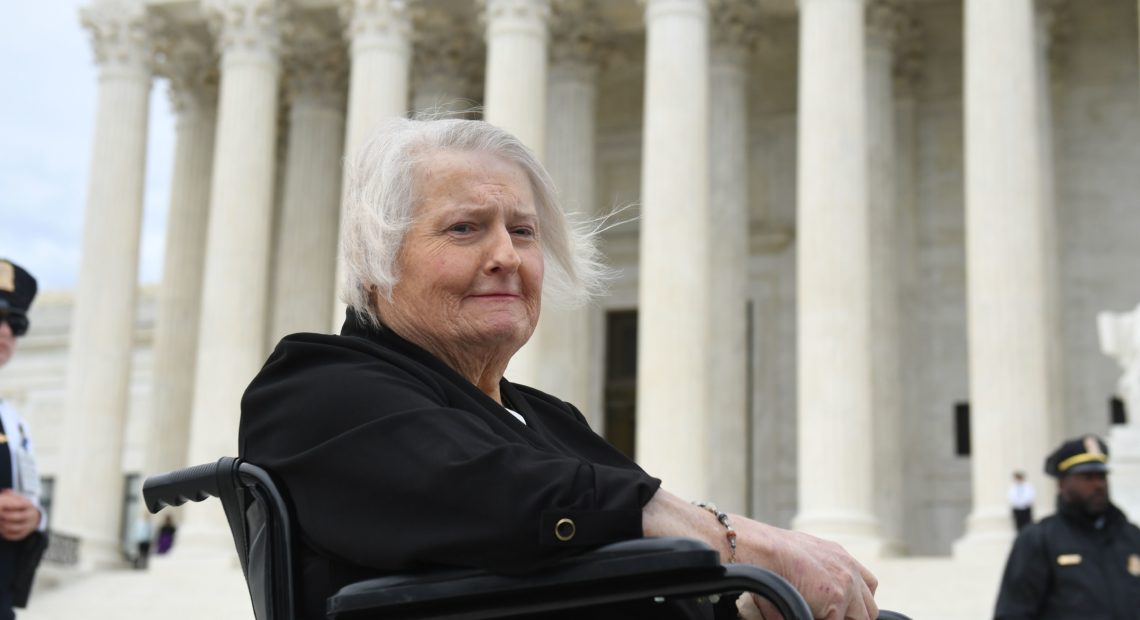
<point x="46" y="127"/>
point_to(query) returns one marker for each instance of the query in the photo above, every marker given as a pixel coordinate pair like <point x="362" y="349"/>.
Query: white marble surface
<point x="238" y="240"/>
<point x="566" y="348"/>
<point x="674" y="274"/>
<point x="833" y="261"/>
<point x="180" y="294"/>
<point x="1009" y="224"/>
<point x="99" y="360"/>
<point x="308" y="220"/>
<point x="729" y="236"/>
<point x="380" y="53"/>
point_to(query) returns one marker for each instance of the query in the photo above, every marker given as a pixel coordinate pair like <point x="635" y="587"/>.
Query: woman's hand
<point x="751" y="606"/>
<point x="834" y="584"/>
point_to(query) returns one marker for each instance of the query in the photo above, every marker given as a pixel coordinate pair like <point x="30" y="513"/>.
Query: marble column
<point x="674" y="264"/>
<point x="236" y="276"/>
<point x="307" y="224"/>
<point x="379" y="33"/>
<point x="567" y="348"/>
<point x="1120" y="339"/>
<point x="1007" y="258"/>
<point x="444" y="58"/>
<point x="1054" y="21"/>
<point x="734" y="28"/>
<point x="908" y="64"/>
<point x="89" y="499"/>
<point x="833" y="255"/>
<point x="515" y="99"/>
<point x="883" y="21"/>
<point x="380" y="50"/>
<point x="191" y="67"/>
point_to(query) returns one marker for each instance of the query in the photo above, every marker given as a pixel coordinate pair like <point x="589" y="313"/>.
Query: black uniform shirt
<point x="1066" y="568"/>
<point x="394" y="462"/>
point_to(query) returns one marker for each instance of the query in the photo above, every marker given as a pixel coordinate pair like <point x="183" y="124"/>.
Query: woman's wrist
<point x="725" y="520"/>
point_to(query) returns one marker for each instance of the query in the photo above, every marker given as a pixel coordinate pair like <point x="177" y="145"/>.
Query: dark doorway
<point x="621" y="380"/>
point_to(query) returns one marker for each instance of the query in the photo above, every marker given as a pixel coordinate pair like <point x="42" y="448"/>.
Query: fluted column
<point x="734" y="27"/>
<point x="567" y="348"/>
<point x="833" y="260"/>
<point x="103" y="320"/>
<point x="191" y="67"/>
<point x="236" y="276"/>
<point x="1008" y="224"/>
<point x="307" y="230"/>
<point x="515" y="99"/>
<point x="444" y="58"/>
<point x="884" y="19"/>
<point x="380" y="52"/>
<point x="674" y="264"/>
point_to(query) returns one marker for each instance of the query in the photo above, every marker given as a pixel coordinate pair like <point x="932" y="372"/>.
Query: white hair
<point x="380" y="201"/>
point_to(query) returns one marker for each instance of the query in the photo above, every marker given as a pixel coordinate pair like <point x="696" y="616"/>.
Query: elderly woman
<point x="400" y="441"/>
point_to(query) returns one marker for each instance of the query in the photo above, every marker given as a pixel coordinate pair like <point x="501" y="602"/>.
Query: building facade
<point x="865" y="245"/>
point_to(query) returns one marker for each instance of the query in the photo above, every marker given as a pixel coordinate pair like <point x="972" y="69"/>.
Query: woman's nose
<point x="502" y="254"/>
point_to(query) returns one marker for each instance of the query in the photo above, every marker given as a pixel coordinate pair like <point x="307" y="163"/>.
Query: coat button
<point x="564" y="530"/>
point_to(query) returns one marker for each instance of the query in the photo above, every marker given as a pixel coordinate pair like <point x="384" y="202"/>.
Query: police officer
<point x="1083" y="561"/>
<point x="20" y="512"/>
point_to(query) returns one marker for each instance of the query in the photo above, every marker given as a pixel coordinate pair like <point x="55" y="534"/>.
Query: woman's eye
<point x="461" y="228"/>
<point x="524" y="231"/>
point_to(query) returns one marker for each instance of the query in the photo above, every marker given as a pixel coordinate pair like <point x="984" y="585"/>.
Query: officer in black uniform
<point x="21" y="518"/>
<point x="1082" y="562"/>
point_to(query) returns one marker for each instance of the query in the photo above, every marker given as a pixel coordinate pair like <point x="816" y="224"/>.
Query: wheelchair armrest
<point x="628" y="570"/>
<point x="193" y="484"/>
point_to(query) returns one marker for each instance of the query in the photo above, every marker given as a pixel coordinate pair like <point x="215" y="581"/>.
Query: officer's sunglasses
<point x="18" y="321"/>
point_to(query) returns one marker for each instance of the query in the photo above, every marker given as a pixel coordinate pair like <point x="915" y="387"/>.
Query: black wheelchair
<point x="648" y="569"/>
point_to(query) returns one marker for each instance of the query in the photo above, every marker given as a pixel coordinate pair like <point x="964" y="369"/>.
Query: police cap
<point x="17" y="287"/>
<point x="1083" y="454"/>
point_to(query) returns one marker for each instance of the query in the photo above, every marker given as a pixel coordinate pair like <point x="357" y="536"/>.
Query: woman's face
<point x="470" y="270"/>
<point x="7" y="342"/>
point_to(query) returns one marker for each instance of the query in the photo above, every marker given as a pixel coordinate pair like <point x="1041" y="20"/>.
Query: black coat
<point x="394" y="462"/>
<point x="1065" y="568"/>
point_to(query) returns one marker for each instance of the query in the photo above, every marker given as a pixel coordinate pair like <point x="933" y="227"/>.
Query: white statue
<point x="1120" y="339"/>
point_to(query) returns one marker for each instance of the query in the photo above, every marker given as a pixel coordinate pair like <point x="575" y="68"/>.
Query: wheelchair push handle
<point x="193" y="484"/>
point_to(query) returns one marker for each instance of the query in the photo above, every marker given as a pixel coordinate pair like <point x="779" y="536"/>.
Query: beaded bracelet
<point x="723" y="518"/>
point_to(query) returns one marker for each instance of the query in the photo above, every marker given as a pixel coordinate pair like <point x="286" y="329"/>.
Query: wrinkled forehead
<point x="473" y="178"/>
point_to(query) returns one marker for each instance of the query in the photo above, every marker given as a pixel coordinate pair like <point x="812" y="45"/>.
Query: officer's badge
<point x="1134" y="565"/>
<point x="1070" y="559"/>
<point x="7" y="277"/>
<point x="1092" y="446"/>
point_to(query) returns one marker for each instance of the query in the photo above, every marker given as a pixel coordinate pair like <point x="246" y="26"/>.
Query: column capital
<point x="656" y="8"/>
<point x="444" y="45"/>
<point x="735" y="28"/>
<point x="909" y="54"/>
<point x="884" y="21"/>
<point x="1055" y="29"/>
<point x="515" y="9"/>
<point x="891" y="28"/>
<point x="187" y="60"/>
<point x="376" y="22"/>
<point x="522" y="16"/>
<point x="122" y="37"/>
<point x="316" y="65"/>
<point x="578" y="36"/>
<point x="244" y="27"/>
